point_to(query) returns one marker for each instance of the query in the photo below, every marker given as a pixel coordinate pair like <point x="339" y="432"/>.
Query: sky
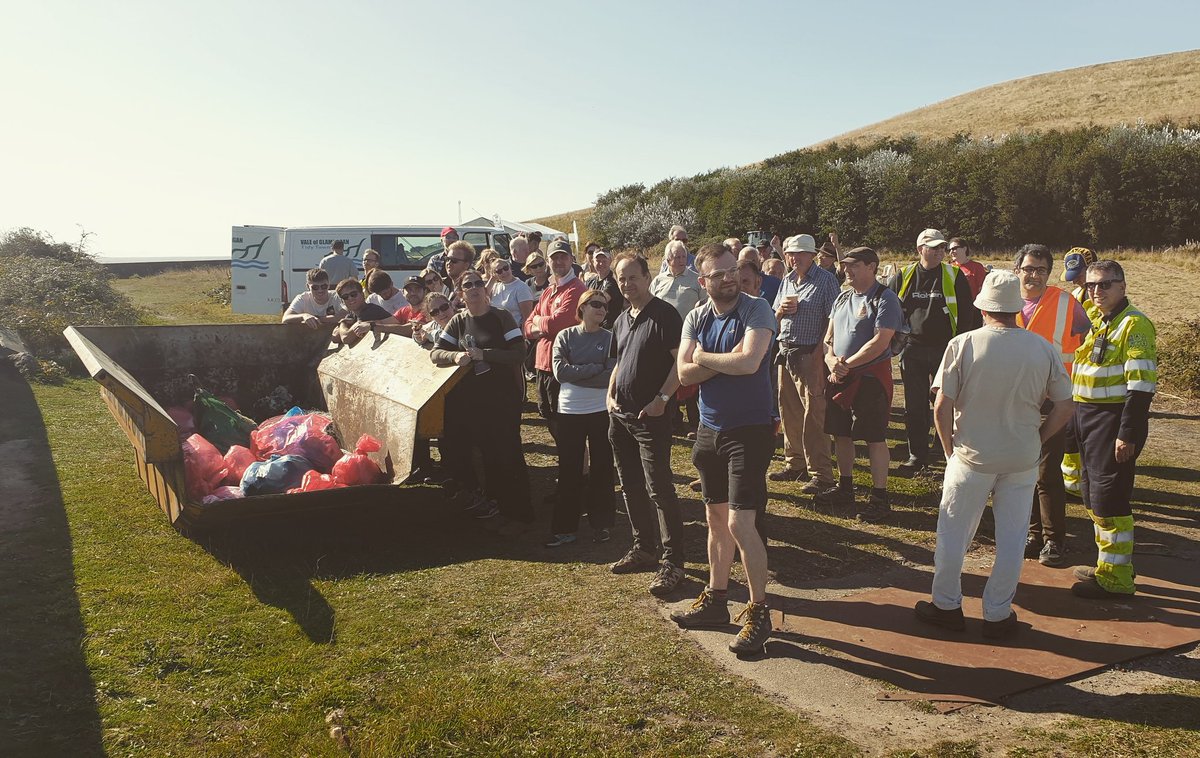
<point x="155" y="127"/>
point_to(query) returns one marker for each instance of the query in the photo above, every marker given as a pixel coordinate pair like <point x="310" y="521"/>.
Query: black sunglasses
<point x="349" y="294"/>
<point x="319" y="287"/>
<point x="440" y="309"/>
<point x="535" y="266"/>
<point x="470" y="284"/>
<point x="597" y="303"/>
<point x="1104" y="285"/>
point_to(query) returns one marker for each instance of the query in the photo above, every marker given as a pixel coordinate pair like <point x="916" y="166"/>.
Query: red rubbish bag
<point x="223" y="493"/>
<point x="237" y="458"/>
<point x="203" y="466"/>
<point x="302" y="435"/>
<point x="356" y="468"/>
<point x="315" y="480"/>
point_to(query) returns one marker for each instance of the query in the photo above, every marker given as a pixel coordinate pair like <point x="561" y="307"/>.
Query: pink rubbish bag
<point x="183" y="419"/>
<point x="356" y="468"/>
<point x="237" y="458"/>
<point x="315" y="480"/>
<point x="302" y="435"/>
<point x="203" y="466"/>
<point x="223" y="493"/>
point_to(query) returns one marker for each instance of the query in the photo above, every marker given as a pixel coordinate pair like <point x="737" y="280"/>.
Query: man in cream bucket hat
<point x="991" y="385"/>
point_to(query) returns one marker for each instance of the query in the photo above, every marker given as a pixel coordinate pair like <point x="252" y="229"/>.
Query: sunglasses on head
<point x="440" y="309"/>
<point x="470" y="284"/>
<point x="1101" y="285"/>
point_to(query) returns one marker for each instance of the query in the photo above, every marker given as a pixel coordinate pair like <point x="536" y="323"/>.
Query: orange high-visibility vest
<point x="1052" y="319"/>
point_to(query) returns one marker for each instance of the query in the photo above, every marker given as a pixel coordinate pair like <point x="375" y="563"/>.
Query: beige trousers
<point x="802" y="408"/>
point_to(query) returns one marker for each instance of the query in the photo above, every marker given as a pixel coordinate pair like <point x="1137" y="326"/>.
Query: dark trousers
<point x="1048" y="520"/>
<point x="596" y="497"/>
<point x="547" y="387"/>
<point x="642" y="448"/>
<point x="1107" y="485"/>
<point x="487" y="417"/>
<point x="918" y="365"/>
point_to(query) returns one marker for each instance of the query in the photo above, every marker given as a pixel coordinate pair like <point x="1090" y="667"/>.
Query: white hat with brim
<point x="1001" y="293"/>
<point x="801" y="243"/>
<point x="930" y="238"/>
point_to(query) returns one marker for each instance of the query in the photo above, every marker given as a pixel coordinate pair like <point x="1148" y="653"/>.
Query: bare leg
<point x="878" y="452"/>
<point x="754" y="553"/>
<point x="720" y="546"/>
<point x="845" y="456"/>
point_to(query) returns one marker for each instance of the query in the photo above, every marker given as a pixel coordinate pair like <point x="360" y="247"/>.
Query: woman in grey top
<point x="582" y="366"/>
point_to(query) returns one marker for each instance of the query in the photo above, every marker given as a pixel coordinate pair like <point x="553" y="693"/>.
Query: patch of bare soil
<point x="18" y="494"/>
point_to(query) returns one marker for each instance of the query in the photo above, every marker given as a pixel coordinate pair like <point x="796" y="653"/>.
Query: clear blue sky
<point x="158" y="125"/>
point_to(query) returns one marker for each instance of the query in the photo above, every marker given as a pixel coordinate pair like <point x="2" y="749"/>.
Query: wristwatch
<point x="664" y="397"/>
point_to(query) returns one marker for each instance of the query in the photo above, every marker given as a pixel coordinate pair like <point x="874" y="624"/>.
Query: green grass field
<point x="122" y="636"/>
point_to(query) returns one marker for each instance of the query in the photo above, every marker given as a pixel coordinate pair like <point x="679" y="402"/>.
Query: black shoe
<point x="707" y="612"/>
<point x="834" y="497"/>
<point x="666" y="580"/>
<point x="1033" y="546"/>
<point x="696" y="486"/>
<point x="877" y="511"/>
<point x="912" y="465"/>
<point x="790" y="475"/>
<point x="1052" y="555"/>
<point x="634" y="562"/>
<point x="756" y="630"/>
<point x="999" y="630"/>
<point x="931" y="614"/>
<point x="1092" y="590"/>
<point x="1084" y="573"/>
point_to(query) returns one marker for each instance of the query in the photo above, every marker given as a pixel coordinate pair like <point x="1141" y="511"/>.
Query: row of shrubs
<point x="1103" y="187"/>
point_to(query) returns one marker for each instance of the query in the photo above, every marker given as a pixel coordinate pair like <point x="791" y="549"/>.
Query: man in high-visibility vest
<point x="1116" y="375"/>
<point x="1075" y="263"/>
<point x="1059" y="319"/>
<point x="938" y="304"/>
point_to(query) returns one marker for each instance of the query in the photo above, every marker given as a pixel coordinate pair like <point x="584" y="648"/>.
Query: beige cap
<point x="931" y="238"/>
<point x="801" y="243"/>
<point x="1001" y="293"/>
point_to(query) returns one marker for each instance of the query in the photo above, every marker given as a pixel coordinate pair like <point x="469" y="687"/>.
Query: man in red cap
<point x="438" y="261"/>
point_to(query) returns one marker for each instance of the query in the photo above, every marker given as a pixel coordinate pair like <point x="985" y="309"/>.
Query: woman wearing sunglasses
<point x="539" y="273"/>
<point x="438" y="312"/>
<point x="434" y="282"/>
<point x="582" y="365"/>
<point x="509" y="292"/>
<point x="483" y="410"/>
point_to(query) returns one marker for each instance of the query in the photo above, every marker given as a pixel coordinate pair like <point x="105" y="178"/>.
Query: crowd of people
<point x="1032" y="390"/>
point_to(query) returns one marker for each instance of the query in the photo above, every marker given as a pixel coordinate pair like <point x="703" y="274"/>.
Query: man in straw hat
<point x="991" y="385"/>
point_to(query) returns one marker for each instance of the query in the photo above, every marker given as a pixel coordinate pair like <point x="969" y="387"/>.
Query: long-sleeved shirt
<point x="582" y="357"/>
<point x="555" y="311"/>
<point x="495" y="333"/>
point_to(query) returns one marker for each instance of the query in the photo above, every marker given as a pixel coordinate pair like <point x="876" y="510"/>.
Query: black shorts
<point x="867" y="419"/>
<point x="733" y="465"/>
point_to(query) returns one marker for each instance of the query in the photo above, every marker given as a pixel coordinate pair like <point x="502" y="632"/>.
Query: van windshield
<point x="411" y="252"/>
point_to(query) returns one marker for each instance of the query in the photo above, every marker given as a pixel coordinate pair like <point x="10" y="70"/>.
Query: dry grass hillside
<point x="1151" y="89"/>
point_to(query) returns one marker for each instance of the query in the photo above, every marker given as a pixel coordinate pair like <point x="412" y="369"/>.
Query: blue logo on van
<point x="245" y="260"/>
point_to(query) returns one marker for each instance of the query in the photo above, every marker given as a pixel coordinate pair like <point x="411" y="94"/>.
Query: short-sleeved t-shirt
<point x="642" y="347"/>
<point x="726" y="401"/>
<point x="305" y="303"/>
<point x="998" y="379"/>
<point x="390" y="304"/>
<point x="369" y="312"/>
<point x="339" y="268"/>
<point x="510" y="296"/>
<point x="856" y="317"/>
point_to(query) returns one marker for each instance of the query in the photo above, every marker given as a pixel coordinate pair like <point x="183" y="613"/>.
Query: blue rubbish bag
<point x="277" y="474"/>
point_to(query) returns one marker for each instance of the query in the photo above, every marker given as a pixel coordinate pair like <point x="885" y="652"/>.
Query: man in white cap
<point x="998" y="372"/>
<point x="802" y="309"/>
<point x="937" y="302"/>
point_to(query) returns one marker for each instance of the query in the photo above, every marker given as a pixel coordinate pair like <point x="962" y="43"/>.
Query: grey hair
<point x="1108" y="266"/>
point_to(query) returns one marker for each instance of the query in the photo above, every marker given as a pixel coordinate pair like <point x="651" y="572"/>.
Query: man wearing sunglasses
<point x="316" y="306"/>
<point x="363" y="318"/>
<point x="1116" y="376"/>
<point x="1059" y="319"/>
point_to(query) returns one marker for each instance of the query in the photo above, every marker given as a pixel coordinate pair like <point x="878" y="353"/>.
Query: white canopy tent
<point x="515" y="227"/>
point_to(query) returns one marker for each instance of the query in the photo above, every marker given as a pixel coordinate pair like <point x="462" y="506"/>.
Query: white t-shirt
<point x="304" y="303"/>
<point x="392" y="304"/>
<point x="574" y="400"/>
<point x="510" y="296"/>
<point x="998" y="379"/>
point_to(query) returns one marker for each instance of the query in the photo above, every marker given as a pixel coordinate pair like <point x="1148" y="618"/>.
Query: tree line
<point x="1100" y="187"/>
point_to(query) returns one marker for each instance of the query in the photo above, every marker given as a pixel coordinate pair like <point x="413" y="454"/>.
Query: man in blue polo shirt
<point x="726" y="348"/>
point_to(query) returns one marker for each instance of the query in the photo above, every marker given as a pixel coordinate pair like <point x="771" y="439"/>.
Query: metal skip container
<point x="384" y="386"/>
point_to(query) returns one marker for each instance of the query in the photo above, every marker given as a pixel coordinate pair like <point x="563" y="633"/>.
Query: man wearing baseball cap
<point x="938" y="305"/>
<point x="1000" y="371"/>
<point x="555" y="311"/>
<point x="438" y="261"/>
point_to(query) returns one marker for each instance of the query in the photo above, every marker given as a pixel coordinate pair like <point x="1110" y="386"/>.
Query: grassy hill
<point x="1122" y="92"/>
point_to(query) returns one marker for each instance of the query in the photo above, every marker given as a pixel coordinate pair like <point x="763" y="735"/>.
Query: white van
<point x="268" y="263"/>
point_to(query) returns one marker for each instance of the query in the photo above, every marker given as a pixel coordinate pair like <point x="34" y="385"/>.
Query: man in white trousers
<point x="991" y="385"/>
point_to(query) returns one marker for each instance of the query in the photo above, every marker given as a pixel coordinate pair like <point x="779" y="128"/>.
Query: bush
<point x="46" y="286"/>
<point x="1179" y="357"/>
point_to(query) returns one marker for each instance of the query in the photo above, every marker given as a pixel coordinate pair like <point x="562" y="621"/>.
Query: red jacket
<point x="555" y="311"/>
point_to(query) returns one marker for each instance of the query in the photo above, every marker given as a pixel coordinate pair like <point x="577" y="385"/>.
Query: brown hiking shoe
<point x="635" y="561"/>
<point x="756" y="629"/>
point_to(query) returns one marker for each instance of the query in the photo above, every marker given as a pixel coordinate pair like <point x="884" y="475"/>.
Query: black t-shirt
<point x="369" y="312"/>
<point x="616" y="301"/>
<point x="926" y="310"/>
<point x="642" y="347"/>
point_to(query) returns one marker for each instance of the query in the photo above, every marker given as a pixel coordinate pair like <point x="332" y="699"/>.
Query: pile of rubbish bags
<point x="227" y="455"/>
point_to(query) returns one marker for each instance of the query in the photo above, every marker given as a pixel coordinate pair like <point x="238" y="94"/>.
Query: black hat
<point x="861" y="254"/>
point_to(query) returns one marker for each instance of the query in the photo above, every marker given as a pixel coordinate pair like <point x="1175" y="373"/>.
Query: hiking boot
<point x="790" y="475"/>
<point x="814" y="487"/>
<point x="559" y="540"/>
<point x="666" y="580"/>
<point x="1033" y="546"/>
<point x="635" y="561"/>
<point x="756" y="629"/>
<point x="1092" y="590"/>
<point x="878" y="510"/>
<point x="1084" y="573"/>
<point x="1052" y="555"/>
<point x="834" y="497"/>
<point x="912" y="465"/>
<point x="707" y="612"/>
<point x="931" y="614"/>
<point x="999" y="630"/>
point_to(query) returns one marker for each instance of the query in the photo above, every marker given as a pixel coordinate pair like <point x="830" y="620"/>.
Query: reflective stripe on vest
<point x="1056" y="332"/>
<point x="948" y="275"/>
<point x="1109" y="379"/>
